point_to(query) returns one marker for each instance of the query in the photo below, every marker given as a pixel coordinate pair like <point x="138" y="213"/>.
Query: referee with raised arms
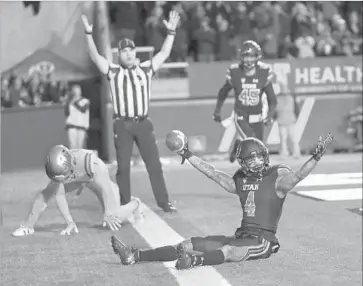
<point x="130" y="85"/>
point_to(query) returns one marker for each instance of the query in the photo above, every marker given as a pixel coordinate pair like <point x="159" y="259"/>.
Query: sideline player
<point x="250" y="79"/>
<point x="73" y="170"/>
<point x="261" y="189"/>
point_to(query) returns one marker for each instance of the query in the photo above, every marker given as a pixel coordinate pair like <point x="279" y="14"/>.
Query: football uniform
<point x="248" y="91"/>
<point x="262" y="210"/>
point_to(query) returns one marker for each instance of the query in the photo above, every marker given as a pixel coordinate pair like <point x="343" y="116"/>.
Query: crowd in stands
<point x="37" y="90"/>
<point x="212" y="31"/>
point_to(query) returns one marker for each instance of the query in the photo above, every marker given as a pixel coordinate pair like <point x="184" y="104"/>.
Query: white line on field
<point x="157" y="233"/>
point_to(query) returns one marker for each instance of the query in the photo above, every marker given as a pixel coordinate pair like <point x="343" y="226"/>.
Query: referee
<point x="130" y="86"/>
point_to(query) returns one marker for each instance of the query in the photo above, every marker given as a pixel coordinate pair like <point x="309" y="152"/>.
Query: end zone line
<point x="157" y="233"/>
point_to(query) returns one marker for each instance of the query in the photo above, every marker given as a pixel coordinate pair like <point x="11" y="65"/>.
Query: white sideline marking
<point x="331" y="179"/>
<point x="157" y="233"/>
<point x="334" y="194"/>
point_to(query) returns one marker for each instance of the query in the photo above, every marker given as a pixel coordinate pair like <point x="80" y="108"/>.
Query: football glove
<point x="322" y="146"/>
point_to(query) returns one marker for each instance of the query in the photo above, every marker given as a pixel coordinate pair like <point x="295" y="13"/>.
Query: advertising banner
<point x="305" y="77"/>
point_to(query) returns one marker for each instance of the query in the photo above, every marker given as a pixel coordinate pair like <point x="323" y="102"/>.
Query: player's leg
<point x="235" y="251"/>
<point x="258" y="129"/>
<point x="40" y="203"/>
<point x="130" y="255"/>
<point x="146" y="142"/>
<point x="244" y="130"/>
<point x="123" y="143"/>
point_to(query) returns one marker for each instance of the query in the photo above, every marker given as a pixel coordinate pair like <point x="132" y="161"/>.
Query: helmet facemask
<point x="249" y="61"/>
<point x="255" y="164"/>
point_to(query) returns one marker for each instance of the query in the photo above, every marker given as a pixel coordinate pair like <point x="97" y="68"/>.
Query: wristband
<point x="88" y="33"/>
<point x="186" y="155"/>
<point x="172" y="32"/>
<point x="317" y="157"/>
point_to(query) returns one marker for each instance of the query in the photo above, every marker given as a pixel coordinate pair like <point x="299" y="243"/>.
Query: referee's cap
<point x="126" y="43"/>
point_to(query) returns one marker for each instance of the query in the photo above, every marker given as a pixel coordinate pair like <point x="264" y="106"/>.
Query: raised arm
<point x="176" y="141"/>
<point x="158" y="60"/>
<point x="100" y="62"/>
<point x="221" y="178"/>
<point x="287" y="179"/>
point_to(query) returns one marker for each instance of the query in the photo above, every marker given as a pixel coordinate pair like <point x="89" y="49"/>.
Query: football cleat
<point x="23" y="231"/>
<point x="185" y="259"/>
<point x="124" y="252"/>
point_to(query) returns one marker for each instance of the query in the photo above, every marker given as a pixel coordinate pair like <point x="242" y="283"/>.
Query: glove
<point x="185" y="153"/>
<point x="70" y="227"/>
<point x="217" y="117"/>
<point x="322" y="146"/>
<point x="177" y="142"/>
<point x="268" y="121"/>
<point x="112" y="221"/>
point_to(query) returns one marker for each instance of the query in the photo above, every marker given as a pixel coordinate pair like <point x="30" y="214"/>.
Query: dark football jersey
<point x="261" y="206"/>
<point x="249" y="89"/>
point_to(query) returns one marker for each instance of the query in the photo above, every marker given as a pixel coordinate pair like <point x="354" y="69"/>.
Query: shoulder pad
<point x="270" y="74"/>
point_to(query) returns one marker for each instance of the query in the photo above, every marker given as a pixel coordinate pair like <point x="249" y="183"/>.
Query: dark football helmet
<point x="250" y="53"/>
<point x="253" y="157"/>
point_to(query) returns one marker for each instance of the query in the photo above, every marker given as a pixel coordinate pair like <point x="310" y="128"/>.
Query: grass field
<point x="321" y="239"/>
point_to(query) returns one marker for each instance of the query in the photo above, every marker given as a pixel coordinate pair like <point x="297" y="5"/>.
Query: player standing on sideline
<point x="250" y="79"/>
<point x="71" y="170"/>
<point x="130" y="85"/>
<point x="261" y="189"/>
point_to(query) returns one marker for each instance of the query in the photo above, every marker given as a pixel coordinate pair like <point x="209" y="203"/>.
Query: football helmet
<point x="59" y="165"/>
<point x="253" y="156"/>
<point x="250" y="53"/>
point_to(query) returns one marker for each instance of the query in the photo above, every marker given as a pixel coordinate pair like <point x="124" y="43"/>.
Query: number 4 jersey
<point x="249" y="89"/>
<point x="261" y="206"/>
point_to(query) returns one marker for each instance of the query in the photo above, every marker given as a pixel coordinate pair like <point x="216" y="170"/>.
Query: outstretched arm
<point x="158" y="60"/>
<point x="221" y="178"/>
<point x="287" y="180"/>
<point x="41" y="202"/>
<point x="101" y="63"/>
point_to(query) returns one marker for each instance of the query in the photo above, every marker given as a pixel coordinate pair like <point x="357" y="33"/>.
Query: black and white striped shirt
<point x="130" y="89"/>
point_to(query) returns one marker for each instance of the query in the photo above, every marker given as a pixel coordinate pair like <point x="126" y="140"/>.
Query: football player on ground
<point x="74" y="170"/>
<point x="261" y="189"/>
<point x="250" y="79"/>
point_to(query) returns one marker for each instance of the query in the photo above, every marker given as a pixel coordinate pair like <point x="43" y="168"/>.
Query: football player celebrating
<point x="261" y="188"/>
<point x="250" y="79"/>
<point x="73" y="170"/>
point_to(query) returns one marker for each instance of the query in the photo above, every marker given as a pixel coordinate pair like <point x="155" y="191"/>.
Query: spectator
<point x="180" y="48"/>
<point x="155" y="28"/>
<point x="125" y="19"/>
<point x="355" y="28"/>
<point x="266" y="30"/>
<point x="224" y="35"/>
<point x="77" y="118"/>
<point x="342" y="37"/>
<point x="241" y="25"/>
<point x="302" y="31"/>
<point x="52" y="92"/>
<point x="206" y="39"/>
